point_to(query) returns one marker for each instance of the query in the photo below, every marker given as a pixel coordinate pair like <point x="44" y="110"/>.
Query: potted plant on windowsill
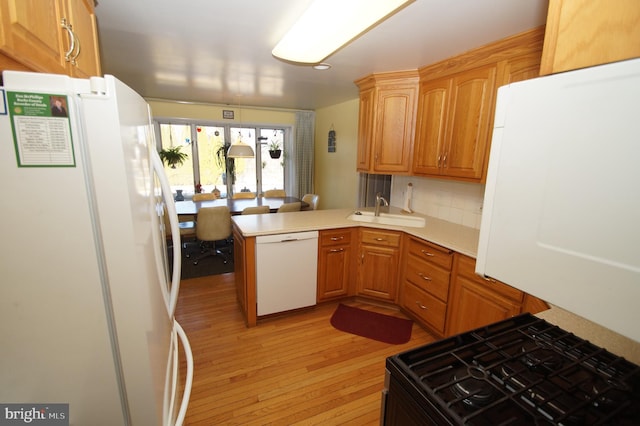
<point x="274" y="149"/>
<point x="173" y="157"/>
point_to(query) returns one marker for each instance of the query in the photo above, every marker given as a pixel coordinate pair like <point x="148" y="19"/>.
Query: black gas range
<point x="519" y="371"/>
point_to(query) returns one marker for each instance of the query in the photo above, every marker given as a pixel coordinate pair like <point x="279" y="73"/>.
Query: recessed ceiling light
<point x="328" y="25"/>
<point x="321" y="66"/>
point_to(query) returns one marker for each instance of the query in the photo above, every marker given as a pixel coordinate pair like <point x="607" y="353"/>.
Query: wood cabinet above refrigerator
<point x="583" y="34"/>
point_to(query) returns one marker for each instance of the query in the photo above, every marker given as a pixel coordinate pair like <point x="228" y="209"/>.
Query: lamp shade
<point x="240" y="150"/>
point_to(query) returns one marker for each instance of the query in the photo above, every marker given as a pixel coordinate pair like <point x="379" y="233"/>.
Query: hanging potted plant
<point x="173" y="157"/>
<point x="227" y="164"/>
<point x="274" y="149"/>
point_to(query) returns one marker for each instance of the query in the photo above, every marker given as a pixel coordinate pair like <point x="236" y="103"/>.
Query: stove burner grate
<point x="524" y="368"/>
<point x="472" y="385"/>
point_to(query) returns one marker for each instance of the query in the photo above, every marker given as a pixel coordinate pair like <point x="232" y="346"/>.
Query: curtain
<point x="302" y="170"/>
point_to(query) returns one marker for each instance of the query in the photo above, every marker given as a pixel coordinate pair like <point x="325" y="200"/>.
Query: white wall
<point x="453" y="201"/>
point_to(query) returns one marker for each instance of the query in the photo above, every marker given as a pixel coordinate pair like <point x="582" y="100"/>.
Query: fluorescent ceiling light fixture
<point x="327" y="25"/>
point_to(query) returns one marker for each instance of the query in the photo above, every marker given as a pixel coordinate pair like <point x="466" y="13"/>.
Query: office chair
<point x="256" y="210"/>
<point x="187" y="229"/>
<point x="275" y="193"/>
<point x="312" y="200"/>
<point x="244" y="195"/>
<point x="214" y="224"/>
<point x="290" y="207"/>
<point x="205" y="196"/>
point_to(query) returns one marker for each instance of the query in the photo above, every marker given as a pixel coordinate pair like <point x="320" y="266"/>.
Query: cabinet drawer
<point x="428" y="277"/>
<point x="466" y="268"/>
<point x="381" y="238"/>
<point x="426" y="307"/>
<point x="332" y="238"/>
<point x="431" y="253"/>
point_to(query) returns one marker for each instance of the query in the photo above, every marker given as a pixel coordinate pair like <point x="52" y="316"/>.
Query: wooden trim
<point x="7" y="63"/>
<point x="489" y="54"/>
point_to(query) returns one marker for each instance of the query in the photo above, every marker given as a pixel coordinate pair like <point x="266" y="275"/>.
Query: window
<point x="207" y="165"/>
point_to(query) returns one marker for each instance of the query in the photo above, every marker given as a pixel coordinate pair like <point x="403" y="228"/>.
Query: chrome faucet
<point x="379" y="200"/>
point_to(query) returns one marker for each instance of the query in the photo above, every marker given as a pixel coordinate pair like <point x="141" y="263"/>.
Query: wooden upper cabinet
<point x="453" y="124"/>
<point x="387" y="122"/>
<point x="430" y="135"/>
<point x="365" y="128"/>
<point x="456" y="102"/>
<point x="581" y="34"/>
<point x="470" y="113"/>
<point x="83" y="19"/>
<point x="31" y="34"/>
<point x="57" y="37"/>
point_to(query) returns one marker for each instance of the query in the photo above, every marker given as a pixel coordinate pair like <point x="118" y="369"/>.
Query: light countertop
<point x="447" y="234"/>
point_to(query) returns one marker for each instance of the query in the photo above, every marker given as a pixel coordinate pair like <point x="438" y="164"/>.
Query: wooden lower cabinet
<point x="435" y="286"/>
<point x="476" y="301"/>
<point x="425" y="282"/>
<point x="244" y="258"/>
<point x="377" y="267"/>
<point x="335" y="264"/>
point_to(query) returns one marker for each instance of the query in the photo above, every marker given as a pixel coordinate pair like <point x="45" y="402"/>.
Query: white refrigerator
<point x="561" y="214"/>
<point x="86" y="300"/>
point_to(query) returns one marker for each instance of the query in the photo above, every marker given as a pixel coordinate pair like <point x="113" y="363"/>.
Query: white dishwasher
<point x="286" y="270"/>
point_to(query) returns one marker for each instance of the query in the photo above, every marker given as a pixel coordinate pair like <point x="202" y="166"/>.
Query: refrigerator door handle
<point x="172" y="387"/>
<point x="189" y="378"/>
<point x="175" y="232"/>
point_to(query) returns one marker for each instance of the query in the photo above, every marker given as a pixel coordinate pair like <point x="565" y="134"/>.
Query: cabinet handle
<point x="444" y="161"/>
<point x="426" y="253"/>
<point x="72" y="39"/>
<point x="380" y="239"/>
<point x="74" y="44"/>
<point x="423" y="276"/>
<point x="78" y="46"/>
<point x="336" y="250"/>
<point x="337" y="238"/>
<point x="490" y="280"/>
<point x="420" y="305"/>
<point x="439" y="158"/>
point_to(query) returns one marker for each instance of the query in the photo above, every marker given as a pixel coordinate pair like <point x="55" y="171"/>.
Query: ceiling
<point x="219" y="52"/>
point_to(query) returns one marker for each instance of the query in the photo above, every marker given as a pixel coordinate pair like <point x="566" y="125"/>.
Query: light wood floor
<point x="291" y="370"/>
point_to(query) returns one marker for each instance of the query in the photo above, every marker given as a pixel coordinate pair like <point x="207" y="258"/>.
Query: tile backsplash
<point x="457" y="202"/>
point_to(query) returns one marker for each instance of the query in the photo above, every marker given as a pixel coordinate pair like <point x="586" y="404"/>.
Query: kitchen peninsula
<point x="378" y="271"/>
<point x="459" y="242"/>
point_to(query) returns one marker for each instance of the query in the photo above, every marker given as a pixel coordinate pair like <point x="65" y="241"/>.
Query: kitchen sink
<point x="388" y="219"/>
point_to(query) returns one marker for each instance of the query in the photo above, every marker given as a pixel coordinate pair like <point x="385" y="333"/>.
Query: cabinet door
<point x="474" y="306"/>
<point x="334" y="267"/>
<point x="395" y="122"/>
<point x="335" y="270"/>
<point x="365" y="129"/>
<point x="81" y="15"/>
<point x="470" y="112"/>
<point x="31" y="34"/>
<point x="239" y="263"/>
<point x="585" y="33"/>
<point x="378" y="272"/>
<point x="519" y="68"/>
<point x="432" y="119"/>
